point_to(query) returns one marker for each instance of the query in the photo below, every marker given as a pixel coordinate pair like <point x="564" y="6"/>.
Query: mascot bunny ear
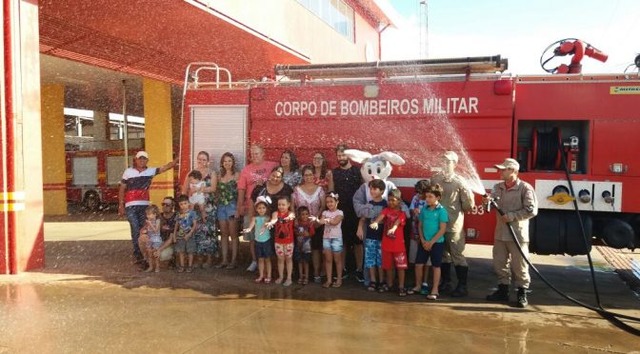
<point x="393" y="158"/>
<point x="359" y="156"/>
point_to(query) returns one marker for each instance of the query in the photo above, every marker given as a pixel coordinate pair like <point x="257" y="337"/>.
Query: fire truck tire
<point x="635" y="223"/>
<point x="91" y="200"/>
<point x="618" y="234"/>
<point x="575" y="241"/>
<point x="548" y="234"/>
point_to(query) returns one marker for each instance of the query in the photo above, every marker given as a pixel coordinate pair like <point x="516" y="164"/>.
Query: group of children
<point x="288" y="235"/>
<point x="291" y="239"/>
<point x="184" y="244"/>
<point x="385" y="249"/>
<point x="182" y="238"/>
<point x="384" y="246"/>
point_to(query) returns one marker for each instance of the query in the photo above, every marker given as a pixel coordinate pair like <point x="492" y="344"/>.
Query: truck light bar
<point x="469" y="65"/>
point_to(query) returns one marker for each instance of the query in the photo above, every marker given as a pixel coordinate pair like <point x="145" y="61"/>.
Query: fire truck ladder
<point x="466" y="66"/>
<point x="192" y="76"/>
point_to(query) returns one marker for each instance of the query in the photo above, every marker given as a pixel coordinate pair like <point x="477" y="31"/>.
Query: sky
<point x="519" y="30"/>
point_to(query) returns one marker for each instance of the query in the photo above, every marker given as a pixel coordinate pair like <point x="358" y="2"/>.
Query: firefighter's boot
<point x="500" y="295"/>
<point x="522" y="298"/>
<point x="461" y="289"/>
<point x="445" y="279"/>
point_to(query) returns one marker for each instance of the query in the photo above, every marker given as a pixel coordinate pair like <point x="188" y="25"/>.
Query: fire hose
<point x="613" y="317"/>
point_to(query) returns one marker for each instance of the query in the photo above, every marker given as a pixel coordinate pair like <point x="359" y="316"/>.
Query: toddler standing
<point x="332" y="245"/>
<point x="264" y="247"/>
<point x="304" y="232"/>
<point x="152" y="229"/>
<point x="283" y="220"/>
<point x="186" y="223"/>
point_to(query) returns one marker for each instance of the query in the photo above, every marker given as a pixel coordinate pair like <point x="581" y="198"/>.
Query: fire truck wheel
<point x="618" y="234"/>
<point x="575" y="240"/>
<point x="91" y="201"/>
<point x="548" y="234"/>
<point x="635" y="223"/>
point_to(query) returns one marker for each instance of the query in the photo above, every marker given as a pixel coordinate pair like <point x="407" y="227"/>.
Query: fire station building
<point x="129" y="57"/>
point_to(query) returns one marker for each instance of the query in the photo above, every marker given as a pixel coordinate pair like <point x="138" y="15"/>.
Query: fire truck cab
<point x="419" y="109"/>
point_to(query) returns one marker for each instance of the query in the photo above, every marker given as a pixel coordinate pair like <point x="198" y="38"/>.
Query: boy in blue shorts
<point x="417" y="203"/>
<point x="432" y="225"/>
<point x="372" y="238"/>
<point x="186" y="224"/>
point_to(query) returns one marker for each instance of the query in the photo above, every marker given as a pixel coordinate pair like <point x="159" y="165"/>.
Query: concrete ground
<point x="90" y="298"/>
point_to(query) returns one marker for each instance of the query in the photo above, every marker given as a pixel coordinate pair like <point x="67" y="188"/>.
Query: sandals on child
<point x="383" y="288"/>
<point x="372" y="287"/>
<point x="413" y="291"/>
<point x="336" y="284"/>
<point x="402" y="292"/>
<point x="432" y="297"/>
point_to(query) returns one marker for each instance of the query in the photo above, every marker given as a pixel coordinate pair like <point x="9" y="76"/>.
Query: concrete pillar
<point x="158" y="135"/>
<point x="53" y="155"/>
<point x="21" y="217"/>
<point x="100" y="126"/>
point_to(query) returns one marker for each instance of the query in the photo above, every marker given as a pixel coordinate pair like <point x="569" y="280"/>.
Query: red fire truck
<point x="419" y="109"/>
<point x="93" y="177"/>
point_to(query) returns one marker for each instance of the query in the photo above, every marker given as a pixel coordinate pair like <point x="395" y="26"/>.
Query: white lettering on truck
<point x="432" y="105"/>
<point x="448" y="105"/>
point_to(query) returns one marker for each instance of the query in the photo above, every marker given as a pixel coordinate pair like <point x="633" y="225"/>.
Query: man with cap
<point x="517" y="200"/>
<point x="134" y="195"/>
<point x="456" y="199"/>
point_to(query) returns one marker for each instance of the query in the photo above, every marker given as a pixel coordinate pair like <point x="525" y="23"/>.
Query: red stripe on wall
<point x="54" y="186"/>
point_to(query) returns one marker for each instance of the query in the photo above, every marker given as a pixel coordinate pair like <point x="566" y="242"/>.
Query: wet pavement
<point x="90" y="298"/>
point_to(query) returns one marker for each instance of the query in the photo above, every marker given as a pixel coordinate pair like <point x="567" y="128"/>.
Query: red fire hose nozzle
<point x="595" y="54"/>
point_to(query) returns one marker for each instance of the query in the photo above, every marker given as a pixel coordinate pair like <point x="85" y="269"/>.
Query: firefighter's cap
<point x="509" y="163"/>
<point x="450" y="156"/>
<point x="142" y="154"/>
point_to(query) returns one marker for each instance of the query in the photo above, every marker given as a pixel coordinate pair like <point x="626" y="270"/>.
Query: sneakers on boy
<point x="252" y="267"/>
<point x="359" y="276"/>
<point x="424" y="289"/>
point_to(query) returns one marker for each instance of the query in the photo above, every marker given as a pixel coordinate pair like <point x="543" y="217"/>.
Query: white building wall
<point x="289" y="23"/>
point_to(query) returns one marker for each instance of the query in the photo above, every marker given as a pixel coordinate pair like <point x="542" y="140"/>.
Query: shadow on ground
<point x="110" y="261"/>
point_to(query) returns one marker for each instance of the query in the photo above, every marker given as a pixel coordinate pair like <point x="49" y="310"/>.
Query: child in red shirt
<point x="283" y="220"/>
<point x="393" y="249"/>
